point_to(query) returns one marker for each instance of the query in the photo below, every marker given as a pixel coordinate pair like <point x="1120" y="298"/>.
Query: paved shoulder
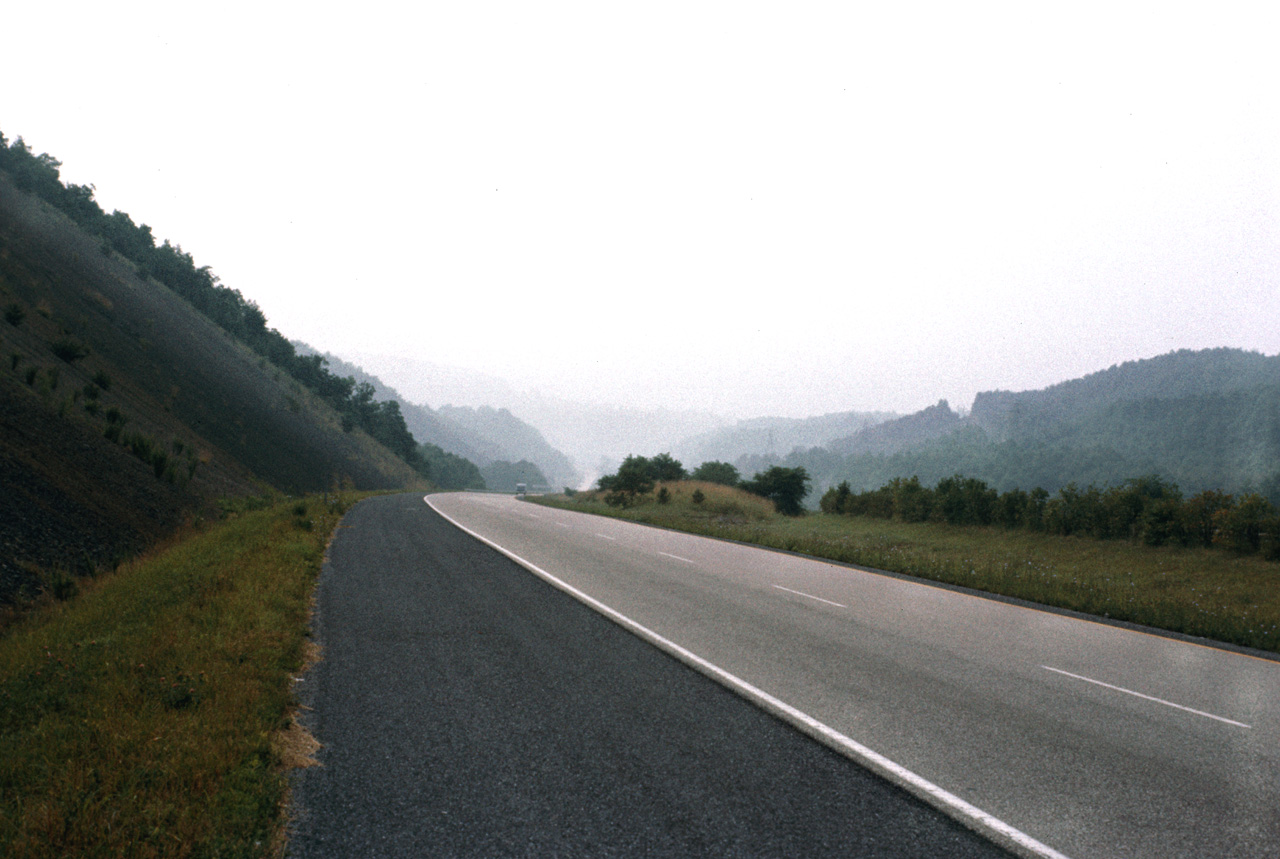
<point x="467" y="708"/>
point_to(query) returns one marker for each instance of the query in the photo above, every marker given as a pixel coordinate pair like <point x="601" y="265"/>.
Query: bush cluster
<point x="1149" y="509"/>
<point x="785" y="487"/>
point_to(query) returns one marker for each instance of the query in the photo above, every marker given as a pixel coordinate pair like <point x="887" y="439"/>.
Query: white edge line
<point x="678" y="558"/>
<point x="1147" y="697"/>
<point x="948" y="803"/>
<point x="811" y="596"/>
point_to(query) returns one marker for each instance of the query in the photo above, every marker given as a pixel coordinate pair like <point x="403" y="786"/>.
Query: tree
<point x="665" y="468"/>
<point x="717" y="472"/>
<point x="912" y="501"/>
<point x="632" y="479"/>
<point x="836" y="499"/>
<point x="785" y="487"/>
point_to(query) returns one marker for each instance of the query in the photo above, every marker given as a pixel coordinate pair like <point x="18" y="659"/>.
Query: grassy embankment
<point x="1203" y="592"/>
<point x="149" y="715"/>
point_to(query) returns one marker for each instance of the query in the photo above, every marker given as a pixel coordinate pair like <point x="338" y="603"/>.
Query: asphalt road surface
<point x="468" y="708"/>
<point x="1091" y="739"/>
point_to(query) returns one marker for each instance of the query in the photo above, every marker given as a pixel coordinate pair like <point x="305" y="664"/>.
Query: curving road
<point x="1089" y="739"/>
<point x="468" y="708"/>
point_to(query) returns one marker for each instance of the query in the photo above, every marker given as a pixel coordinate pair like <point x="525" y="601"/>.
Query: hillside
<point x="427" y="426"/>
<point x="125" y="411"/>
<point x="484" y="435"/>
<point x="506" y="438"/>
<point x="1204" y="420"/>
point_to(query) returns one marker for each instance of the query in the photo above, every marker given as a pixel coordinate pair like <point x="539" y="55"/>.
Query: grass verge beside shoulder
<point x="140" y="718"/>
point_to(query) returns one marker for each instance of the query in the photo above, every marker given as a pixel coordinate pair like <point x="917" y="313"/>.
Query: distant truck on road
<point x="521" y="488"/>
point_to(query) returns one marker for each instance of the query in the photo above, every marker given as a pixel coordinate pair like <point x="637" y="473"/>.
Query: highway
<point x="466" y="707"/>
<point x="1084" y="739"/>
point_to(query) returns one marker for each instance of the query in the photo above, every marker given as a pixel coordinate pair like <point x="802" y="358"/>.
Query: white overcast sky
<point x="783" y="208"/>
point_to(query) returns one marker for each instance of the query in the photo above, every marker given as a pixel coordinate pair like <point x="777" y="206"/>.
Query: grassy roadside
<point x="1203" y="592"/>
<point x="146" y="716"/>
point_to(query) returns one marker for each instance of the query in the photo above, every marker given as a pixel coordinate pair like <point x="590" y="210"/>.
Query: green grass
<point x="1203" y="592"/>
<point x="144" y="717"/>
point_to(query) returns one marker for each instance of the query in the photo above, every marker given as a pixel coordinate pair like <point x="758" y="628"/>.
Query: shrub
<point x="723" y="473"/>
<point x="69" y="349"/>
<point x="14" y="314"/>
<point x="62" y="585"/>
<point x="1240" y="527"/>
<point x="160" y="463"/>
<point x="785" y="487"/>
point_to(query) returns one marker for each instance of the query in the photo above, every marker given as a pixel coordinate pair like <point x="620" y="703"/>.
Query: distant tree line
<point x="226" y="307"/>
<point x="1149" y="509"/>
<point x="450" y="471"/>
<point x="785" y="487"/>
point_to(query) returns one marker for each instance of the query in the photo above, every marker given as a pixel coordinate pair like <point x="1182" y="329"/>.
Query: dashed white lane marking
<point x="1146" y="697"/>
<point x="811" y="596"/>
<point x="943" y="800"/>
<point x="607" y="537"/>
<point x="677" y="557"/>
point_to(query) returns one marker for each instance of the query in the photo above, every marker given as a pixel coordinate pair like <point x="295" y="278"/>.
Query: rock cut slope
<point x="124" y="410"/>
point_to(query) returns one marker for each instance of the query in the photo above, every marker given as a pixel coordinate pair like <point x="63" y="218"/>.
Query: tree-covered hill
<point x="427" y="426"/>
<point x="1203" y="420"/>
<point x="135" y="389"/>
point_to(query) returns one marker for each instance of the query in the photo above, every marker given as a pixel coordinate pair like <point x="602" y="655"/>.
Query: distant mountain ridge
<point x="1173" y="376"/>
<point x="774" y="435"/>
<point x="1206" y="419"/>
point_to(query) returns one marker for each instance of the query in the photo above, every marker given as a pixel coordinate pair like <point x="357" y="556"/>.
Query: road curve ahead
<point x="468" y="708"/>
<point x="1091" y="739"/>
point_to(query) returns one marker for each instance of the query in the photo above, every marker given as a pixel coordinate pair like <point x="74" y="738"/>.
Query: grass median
<point x="146" y="716"/>
<point x="1202" y="592"/>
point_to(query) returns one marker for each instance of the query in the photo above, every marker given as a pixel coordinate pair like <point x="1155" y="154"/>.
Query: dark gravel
<point x="469" y="709"/>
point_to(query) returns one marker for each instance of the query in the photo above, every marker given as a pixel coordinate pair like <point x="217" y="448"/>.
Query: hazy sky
<point x="786" y="208"/>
